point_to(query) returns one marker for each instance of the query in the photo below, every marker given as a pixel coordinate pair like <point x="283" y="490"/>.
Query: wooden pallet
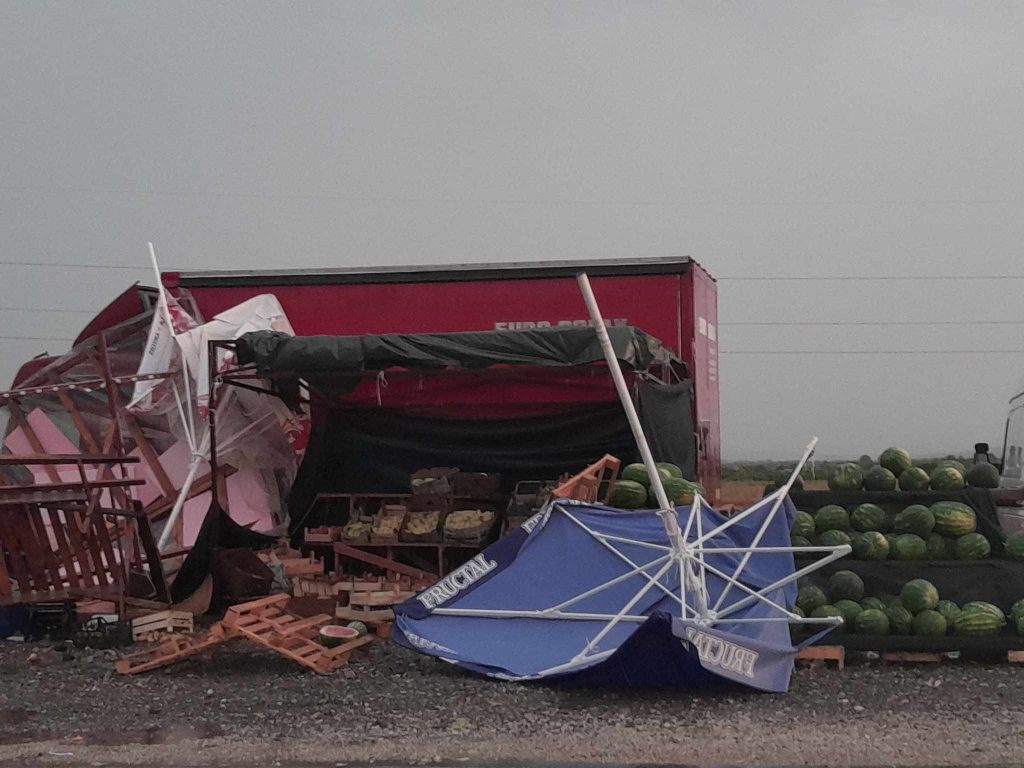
<point x="815" y="655"/>
<point x="377" y="620"/>
<point x="263" y="622"/>
<point x="912" y="657"/>
<point x="587" y="484"/>
<point x="155" y="624"/>
<point x="176" y="648"/>
<point x="266" y="623"/>
<point x="378" y="599"/>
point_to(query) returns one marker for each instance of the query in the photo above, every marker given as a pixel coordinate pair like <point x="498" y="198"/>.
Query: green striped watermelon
<point x="870" y="546"/>
<point x="833" y="538"/>
<point x="973" y="546"/>
<point x="914" y="479"/>
<point x="1017" y="609"/>
<point x="1015" y="546"/>
<point x="949" y="611"/>
<point x="672" y="469"/>
<point x="803" y="525"/>
<point x="936" y="547"/>
<point x="981" y="605"/>
<point x="982" y="475"/>
<point x="916" y="519"/>
<point x="845" y="585"/>
<point x="929" y="623"/>
<point x="952" y="464"/>
<point x="809" y="598"/>
<point x="826" y="612"/>
<point x="800" y="541"/>
<point x="638" y="474"/>
<point x="946" y="479"/>
<point x="846" y="477"/>
<point x="900" y="620"/>
<point x="849" y="610"/>
<point x="953" y="518"/>
<point x="896" y="460"/>
<point x="832" y="517"/>
<point x="868" y="517"/>
<point x="910" y="547"/>
<point x="627" y="494"/>
<point x="977" y="622"/>
<point x="872" y="602"/>
<point x="919" y="595"/>
<point x="872" y="621"/>
<point x="879" y="479"/>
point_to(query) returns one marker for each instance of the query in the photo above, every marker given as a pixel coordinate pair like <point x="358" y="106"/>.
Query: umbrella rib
<point x="841" y="551"/>
<point x="611" y="583"/>
<point x="621" y="556"/>
<point x="769" y="518"/>
<point x="626" y="609"/>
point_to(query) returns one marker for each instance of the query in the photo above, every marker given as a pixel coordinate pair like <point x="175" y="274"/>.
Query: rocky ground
<point x="243" y="706"/>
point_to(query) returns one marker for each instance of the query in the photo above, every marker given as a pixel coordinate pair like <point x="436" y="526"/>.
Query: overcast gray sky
<point x="770" y="139"/>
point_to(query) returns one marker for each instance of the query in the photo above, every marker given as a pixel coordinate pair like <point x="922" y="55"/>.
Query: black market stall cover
<point x="374" y="450"/>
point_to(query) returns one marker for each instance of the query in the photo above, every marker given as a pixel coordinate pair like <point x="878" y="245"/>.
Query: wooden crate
<point x="266" y="623"/>
<point x="162" y="622"/>
<point x="815" y="655"/>
<point x="324" y="535"/>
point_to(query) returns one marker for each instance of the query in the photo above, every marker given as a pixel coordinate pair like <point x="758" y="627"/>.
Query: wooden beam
<point x="382" y="562"/>
<point x="21" y="421"/>
<point x="40" y="459"/>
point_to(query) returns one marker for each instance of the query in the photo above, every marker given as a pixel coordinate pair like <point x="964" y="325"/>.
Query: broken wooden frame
<point x="60" y="540"/>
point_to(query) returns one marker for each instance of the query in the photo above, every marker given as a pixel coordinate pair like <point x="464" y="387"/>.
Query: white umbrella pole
<point x="179" y="503"/>
<point x="667" y="510"/>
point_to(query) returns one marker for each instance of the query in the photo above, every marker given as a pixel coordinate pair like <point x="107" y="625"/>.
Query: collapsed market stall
<point x="528" y="405"/>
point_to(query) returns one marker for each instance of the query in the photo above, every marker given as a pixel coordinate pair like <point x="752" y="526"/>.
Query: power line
<point x="35" y="338"/>
<point x="871" y="352"/>
<point x="66" y="265"/>
<point x="416" y="199"/>
<point x="865" y="278"/>
<point x="50" y="309"/>
<point x="812" y="323"/>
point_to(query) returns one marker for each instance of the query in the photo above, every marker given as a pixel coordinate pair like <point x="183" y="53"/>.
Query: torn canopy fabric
<point x="531" y="606"/>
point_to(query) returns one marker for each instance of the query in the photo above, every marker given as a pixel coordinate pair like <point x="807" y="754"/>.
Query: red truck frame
<point x="673" y="299"/>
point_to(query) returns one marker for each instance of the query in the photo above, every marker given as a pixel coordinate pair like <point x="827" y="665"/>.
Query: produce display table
<point x="997" y="579"/>
<point x="423" y="554"/>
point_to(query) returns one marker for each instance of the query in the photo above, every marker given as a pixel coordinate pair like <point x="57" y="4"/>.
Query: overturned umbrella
<point x="593" y="595"/>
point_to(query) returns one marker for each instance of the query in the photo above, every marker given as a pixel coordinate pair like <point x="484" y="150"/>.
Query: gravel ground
<point x="244" y="706"/>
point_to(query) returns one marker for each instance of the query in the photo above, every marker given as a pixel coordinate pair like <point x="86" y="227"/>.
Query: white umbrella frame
<point x="687" y="556"/>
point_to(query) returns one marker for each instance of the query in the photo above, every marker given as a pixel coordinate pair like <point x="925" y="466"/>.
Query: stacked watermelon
<point x="944" y="531"/>
<point x="633" y="489"/>
<point x="895" y="470"/>
<point x="917" y="610"/>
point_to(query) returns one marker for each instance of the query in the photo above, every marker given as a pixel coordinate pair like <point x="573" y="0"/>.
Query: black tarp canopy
<point x="324" y="358"/>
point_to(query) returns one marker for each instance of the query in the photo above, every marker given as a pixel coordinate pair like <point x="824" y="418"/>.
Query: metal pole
<point x="667" y="511"/>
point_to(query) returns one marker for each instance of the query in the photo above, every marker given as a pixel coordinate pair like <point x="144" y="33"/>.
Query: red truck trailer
<point x="673" y="299"/>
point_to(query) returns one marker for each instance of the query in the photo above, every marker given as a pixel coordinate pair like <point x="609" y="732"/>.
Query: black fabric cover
<point x="338" y="358"/>
<point x="375" y="450"/>
<point x="997" y="580"/>
<point x="979" y="499"/>
<point x="218" y="531"/>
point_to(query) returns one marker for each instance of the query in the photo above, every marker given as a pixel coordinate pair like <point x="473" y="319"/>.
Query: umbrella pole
<point x="667" y="512"/>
